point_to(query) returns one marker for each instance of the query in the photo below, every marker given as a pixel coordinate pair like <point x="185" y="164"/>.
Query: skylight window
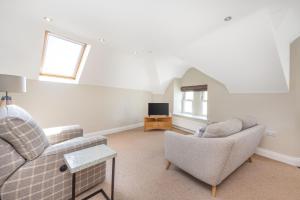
<point x="62" y="57"/>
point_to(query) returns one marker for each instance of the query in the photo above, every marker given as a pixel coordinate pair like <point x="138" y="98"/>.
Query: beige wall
<point x="96" y="108"/>
<point x="93" y="107"/>
<point x="279" y="112"/>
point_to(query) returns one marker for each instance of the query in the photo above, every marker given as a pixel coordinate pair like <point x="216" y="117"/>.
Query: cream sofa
<point x="211" y="159"/>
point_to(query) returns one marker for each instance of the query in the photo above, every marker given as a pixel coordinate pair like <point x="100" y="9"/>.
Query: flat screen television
<point x="158" y="109"/>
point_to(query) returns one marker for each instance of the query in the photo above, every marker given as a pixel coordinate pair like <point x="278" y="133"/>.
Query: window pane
<point x="204" y="108"/>
<point x="189" y="95"/>
<point x="61" y="57"/>
<point x="188" y="106"/>
<point x="205" y="96"/>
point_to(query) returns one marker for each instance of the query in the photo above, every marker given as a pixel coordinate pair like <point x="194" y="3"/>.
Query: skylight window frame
<point x="79" y="59"/>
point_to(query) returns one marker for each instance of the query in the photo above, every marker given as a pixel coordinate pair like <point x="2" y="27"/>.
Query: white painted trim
<point x="294" y="161"/>
<point x="117" y="130"/>
<point x="203" y="118"/>
<point x="183" y="129"/>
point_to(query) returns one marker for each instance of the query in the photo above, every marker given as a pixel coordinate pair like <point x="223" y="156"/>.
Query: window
<point x="62" y="57"/>
<point x="204" y="103"/>
<point x="187" y="102"/>
<point x="194" y="103"/>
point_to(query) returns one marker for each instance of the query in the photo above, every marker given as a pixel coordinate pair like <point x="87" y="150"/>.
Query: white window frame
<point x="80" y="59"/>
<point x="202" y="103"/>
<point x="199" y="106"/>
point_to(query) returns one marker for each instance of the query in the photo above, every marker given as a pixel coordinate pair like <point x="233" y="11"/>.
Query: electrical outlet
<point x="270" y="132"/>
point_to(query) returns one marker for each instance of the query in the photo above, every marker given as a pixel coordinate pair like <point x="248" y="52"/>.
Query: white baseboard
<point x="118" y="129"/>
<point x="183" y="129"/>
<point x="295" y="161"/>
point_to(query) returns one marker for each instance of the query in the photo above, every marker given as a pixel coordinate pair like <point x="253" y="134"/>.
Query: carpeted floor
<point x="141" y="175"/>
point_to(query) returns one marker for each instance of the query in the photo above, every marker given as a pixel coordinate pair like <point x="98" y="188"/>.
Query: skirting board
<point x="294" y="161"/>
<point x="118" y="129"/>
<point x="183" y="129"/>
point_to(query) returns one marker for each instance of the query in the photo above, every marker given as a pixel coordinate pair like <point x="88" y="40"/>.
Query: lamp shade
<point x="11" y="83"/>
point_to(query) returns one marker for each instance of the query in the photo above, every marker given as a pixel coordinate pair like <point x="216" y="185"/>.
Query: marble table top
<point x="82" y="159"/>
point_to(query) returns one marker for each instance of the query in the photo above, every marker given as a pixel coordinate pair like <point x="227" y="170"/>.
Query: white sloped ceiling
<point x="249" y="54"/>
<point x="243" y="55"/>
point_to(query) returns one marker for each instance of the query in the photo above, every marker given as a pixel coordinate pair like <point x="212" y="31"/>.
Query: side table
<point x="85" y="158"/>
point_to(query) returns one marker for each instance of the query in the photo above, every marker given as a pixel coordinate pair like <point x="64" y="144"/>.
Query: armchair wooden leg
<point x="168" y="165"/>
<point x="214" y="191"/>
<point x="250" y="159"/>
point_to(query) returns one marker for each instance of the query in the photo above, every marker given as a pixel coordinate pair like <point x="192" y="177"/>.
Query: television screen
<point x="158" y="109"/>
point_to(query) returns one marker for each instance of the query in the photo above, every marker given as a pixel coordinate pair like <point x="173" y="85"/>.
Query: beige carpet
<point x="141" y="175"/>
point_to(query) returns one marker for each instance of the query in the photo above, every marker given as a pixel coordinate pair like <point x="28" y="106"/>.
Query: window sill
<point x="57" y="80"/>
<point x="203" y="118"/>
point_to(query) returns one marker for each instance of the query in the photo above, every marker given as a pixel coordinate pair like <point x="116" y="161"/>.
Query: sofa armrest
<point x="59" y="134"/>
<point x="204" y="158"/>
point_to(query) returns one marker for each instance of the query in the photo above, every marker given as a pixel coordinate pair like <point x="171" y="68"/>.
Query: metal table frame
<point x="98" y="191"/>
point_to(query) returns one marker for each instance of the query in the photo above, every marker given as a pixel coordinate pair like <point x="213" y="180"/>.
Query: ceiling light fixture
<point x="48" y="19"/>
<point x="135" y="52"/>
<point x="226" y="19"/>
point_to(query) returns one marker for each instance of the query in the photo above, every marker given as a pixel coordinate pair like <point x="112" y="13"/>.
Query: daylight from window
<point x="61" y="57"/>
<point x="188" y="98"/>
<point x="204" y="103"/>
<point x="194" y="103"/>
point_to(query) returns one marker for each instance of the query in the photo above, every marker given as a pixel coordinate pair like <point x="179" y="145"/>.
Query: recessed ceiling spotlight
<point x="48" y="19"/>
<point x="102" y="40"/>
<point x="135" y="52"/>
<point x="226" y="19"/>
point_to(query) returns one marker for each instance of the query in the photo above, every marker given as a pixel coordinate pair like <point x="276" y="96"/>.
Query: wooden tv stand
<point x="157" y="122"/>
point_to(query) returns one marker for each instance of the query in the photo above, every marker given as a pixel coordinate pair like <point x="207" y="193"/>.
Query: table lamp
<point x="11" y="83"/>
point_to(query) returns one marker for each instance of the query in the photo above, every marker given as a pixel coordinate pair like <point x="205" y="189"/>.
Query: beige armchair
<point x="31" y="161"/>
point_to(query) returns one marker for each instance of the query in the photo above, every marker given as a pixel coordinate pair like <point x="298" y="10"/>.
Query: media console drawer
<point x="157" y="122"/>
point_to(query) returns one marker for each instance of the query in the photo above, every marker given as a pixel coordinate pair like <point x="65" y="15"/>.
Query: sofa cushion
<point x="18" y="128"/>
<point x="10" y="160"/>
<point x="248" y="122"/>
<point x="223" y="129"/>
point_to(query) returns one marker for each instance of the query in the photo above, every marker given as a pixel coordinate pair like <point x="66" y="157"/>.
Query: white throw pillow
<point x="223" y="129"/>
<point x="200" y="131"/>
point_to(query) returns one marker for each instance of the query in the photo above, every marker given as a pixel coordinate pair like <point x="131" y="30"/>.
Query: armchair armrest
<point x="204" y="158"/>
<point x="60" y="134"/>
<point x="74" y="144"/>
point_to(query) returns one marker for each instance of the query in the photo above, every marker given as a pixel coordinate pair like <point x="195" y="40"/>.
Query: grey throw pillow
<point x="248" y="122"/>
<point x="223" y="129"/>
<point x="18" y="128"/>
